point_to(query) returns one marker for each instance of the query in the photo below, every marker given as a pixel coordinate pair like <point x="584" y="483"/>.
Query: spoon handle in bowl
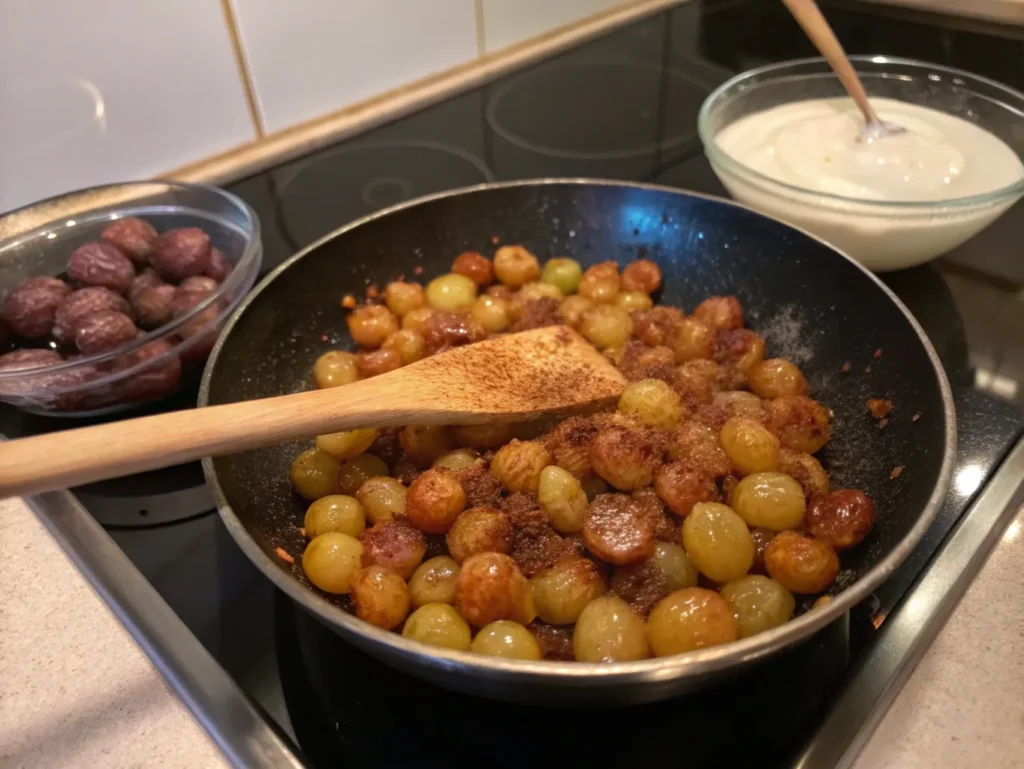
<point x="810" y="18"/>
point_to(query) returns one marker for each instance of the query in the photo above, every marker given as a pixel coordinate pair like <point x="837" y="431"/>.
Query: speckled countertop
<point x="962" y="705"/>
<point x="75" y="689"/>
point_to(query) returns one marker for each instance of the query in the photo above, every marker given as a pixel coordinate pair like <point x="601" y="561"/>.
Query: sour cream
<point x="813" y="144"/>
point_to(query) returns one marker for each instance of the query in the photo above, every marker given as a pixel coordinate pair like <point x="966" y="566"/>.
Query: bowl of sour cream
<point x="784" y="139"/>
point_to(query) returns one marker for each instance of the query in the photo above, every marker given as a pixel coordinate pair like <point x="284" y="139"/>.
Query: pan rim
<point x="691" y="664"/>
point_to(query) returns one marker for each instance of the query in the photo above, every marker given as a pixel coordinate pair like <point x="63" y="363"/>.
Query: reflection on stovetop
<point x="623" y="106"/>
<point x="351" y="710"/>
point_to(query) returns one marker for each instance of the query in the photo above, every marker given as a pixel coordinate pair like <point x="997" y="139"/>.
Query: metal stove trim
<point x="244" y="735"/>
<point x="879" y="674"/>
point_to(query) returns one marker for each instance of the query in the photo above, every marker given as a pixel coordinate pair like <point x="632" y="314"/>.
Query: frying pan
<point x="811" y="303"/>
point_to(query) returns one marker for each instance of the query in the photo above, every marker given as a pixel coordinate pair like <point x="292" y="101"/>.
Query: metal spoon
<point x="809" y="17"/>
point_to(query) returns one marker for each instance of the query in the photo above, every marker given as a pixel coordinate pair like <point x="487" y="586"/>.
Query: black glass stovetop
<point x="622" y="106"/>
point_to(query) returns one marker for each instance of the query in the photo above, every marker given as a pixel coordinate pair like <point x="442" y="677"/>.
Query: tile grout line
<point x="243" y="67"/>
<point x="481" y="40"/>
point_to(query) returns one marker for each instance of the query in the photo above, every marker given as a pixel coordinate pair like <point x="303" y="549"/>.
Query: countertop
<point x="75" y="689"/>
<point x="962" y="705"/>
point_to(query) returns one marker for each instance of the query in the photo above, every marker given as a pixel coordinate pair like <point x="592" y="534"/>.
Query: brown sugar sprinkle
<point x="519" y="507"/>
<point x="495" y="240"/>
<point x="878" y="353"/>
<point x="417" y="270"/>
<point x="896" y="472"/>
<point x="915" y="417"/>
<point x="555" y="642"/>
<point x="537" y="313"/>
<point x="867" y="369"/>
<point x="879" y="407"/>
<point x="882" y="423"/>
<point x="281" y="553"/>
<point x="372" y="292"/>
<point x="302" y="530"/>
<point x="348" y="302"/>
<point x="535" y="545"/>
<point x="846" y="367"/>
<point x="641" y="586"/>
<point x="482" y="487"/>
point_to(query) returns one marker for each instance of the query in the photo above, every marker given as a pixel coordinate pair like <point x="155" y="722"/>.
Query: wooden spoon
<point x="810" y="18"/>
<point x="508" y="378"/>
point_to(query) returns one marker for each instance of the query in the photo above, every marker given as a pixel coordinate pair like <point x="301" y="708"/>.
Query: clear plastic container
<point x="38" y="239"/>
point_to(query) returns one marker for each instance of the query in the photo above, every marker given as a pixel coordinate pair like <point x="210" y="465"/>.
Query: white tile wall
<point x="311" y="57"/>
<point x="108" y="90"/>
<point x="507" y="22"/>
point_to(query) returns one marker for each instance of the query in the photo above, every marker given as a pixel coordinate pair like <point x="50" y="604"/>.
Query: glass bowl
<point x="37" y="240"/>
<point x="880" y="235"/>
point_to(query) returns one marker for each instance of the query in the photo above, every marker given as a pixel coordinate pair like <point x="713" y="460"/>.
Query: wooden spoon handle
<point x="810" y="18"/>
<point x="64" y="459"/>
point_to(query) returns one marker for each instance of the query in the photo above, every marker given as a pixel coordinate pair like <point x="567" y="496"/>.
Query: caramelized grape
<point x="507" y="639"/>
<point x="776" y="377"/>
<point x="331" y="560"/>
<point x="653" y="402"/>
<point x="354" y="472"/>
<point x="382" y="498"/>
<point x="479" y="530"/>
<point x="691" y="618"/>
<point x="335" y="512"/>
<point x="518" y="465"/>
<point x="434" y="500"/>
<point x="314" y="474"/>
<point x="800" y="423"/>
<point x="607" y="630"/>
<point x="800" y="563"/>
<point x="438" y="624"/>
<point x="423" y="444"/>
<point x="718" y="542"/>
<point x="758" y="603"/>
<point x="380" y="596"/>
<point x="769" y="500"/>
<point x="348" y="444"/>
<point x="434" y="581"/>
<point x="335" y="368"/>
<point x="490" y="587"/>
<point x="750" y="447"/>
<point x="394" y="544"/>
<point x="843" y="518"/>
<point x="561" y="592"/>
<point x="563" y="499"/>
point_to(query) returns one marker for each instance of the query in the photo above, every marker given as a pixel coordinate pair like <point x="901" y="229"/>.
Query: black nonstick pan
<point x="812" y="305"/>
